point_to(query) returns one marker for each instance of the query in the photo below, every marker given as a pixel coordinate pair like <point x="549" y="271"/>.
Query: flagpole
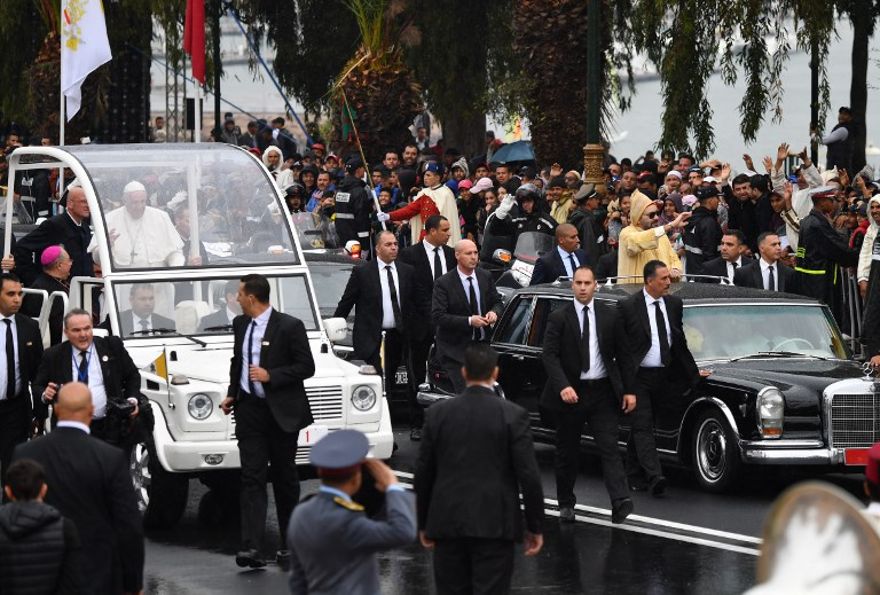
<point x="61" y="115"/>
<point x="197" y="113"/>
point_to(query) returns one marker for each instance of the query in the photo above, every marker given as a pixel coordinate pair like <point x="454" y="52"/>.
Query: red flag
<point x="194" y="37"/>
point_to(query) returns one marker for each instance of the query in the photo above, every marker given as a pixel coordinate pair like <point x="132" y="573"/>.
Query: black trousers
<point x="397" y="353"/>
<point x="261" y="443"/>
<point x="473" y="566"/>
<point x="642" y="461"/>
<point x="15" y="426"/>
<point x="600" y="409"/>
<point x="420" y="351"/>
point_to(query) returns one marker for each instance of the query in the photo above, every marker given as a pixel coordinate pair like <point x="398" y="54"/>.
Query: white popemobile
<point x="232" y="221"/>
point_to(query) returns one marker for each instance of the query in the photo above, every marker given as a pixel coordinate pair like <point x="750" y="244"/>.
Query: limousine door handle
<point x="519" y="357"/>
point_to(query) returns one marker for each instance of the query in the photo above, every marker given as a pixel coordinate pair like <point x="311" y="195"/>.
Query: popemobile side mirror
<point x="336" y="328"/>
<point x="502" y="256"/>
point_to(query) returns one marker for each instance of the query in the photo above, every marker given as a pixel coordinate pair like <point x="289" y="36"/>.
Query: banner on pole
<point x="84" y="47"/>
<point x="194" y="37"/>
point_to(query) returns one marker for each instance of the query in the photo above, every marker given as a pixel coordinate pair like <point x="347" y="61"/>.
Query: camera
<point x="120" y="410"/>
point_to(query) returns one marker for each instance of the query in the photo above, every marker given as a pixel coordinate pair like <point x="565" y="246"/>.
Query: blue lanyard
<point x="81" y="377"/>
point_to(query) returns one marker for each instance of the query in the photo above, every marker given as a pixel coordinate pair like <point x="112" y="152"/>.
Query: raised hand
<point x="782" y="152"/>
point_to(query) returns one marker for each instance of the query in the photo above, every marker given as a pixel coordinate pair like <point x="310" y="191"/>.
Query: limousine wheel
<point x="714" y="452"/>
<point x="161" y="496"/>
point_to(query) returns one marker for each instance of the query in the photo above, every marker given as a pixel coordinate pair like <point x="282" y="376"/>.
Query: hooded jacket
<point x="37" y="547"/>
<point x="701" y="239"/>
<point x="864" y="267"/>
<point x="638" y="246"/>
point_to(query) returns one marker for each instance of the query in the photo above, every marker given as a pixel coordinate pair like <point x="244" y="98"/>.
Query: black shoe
<point x="249" y="559"/>
<point x="282" y="558"/>
<point x="620" y="510"/>
<point x="658" y="486"/>
<point x="415" y="434"/>
<point x="638" y="485"/>
<point x="566" y="514"/>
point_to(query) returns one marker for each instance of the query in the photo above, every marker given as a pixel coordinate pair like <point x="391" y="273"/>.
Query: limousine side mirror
<point x="336" y="328"/>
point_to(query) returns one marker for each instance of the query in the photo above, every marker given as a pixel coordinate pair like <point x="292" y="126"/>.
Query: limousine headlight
<point x="770" y="410"/>
<point x="200" y="406"/>
<point x="363" y="397"/>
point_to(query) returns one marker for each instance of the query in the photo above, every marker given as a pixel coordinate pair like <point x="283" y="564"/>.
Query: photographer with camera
<point x="105" y="367"/>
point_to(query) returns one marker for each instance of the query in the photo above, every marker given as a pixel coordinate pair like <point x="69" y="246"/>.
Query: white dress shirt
<point x="731" y="269"/>
<point x="136" y="322"/>
<point x="652" y="358"/>
<point x="566" y="260"/>
<point x="96" y="378"/>
<point x="387" y="307"/>
<point x="3" y="379"/>
<point x="765" y="274"/>
<point x="467" y="288"/>
<point x="597" y="366"/>
<point x="68" y="423"/>
<point x="429" y="250"/>
<point x="258" y="332"/>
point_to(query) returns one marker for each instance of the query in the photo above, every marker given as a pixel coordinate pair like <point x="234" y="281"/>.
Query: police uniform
<point x="332" y="542"/>
<point x="820" y="255"/>
<point x="353" y="207"/>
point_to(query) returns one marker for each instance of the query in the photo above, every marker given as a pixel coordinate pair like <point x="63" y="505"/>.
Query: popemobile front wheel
<point x="161" y="496"/>
<point x="715" y="453"/>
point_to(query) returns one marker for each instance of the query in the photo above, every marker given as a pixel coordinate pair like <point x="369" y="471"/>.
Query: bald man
<point x="564" y="260"/>
<point x="89" y="484"/>
<point x="465" y="305"/>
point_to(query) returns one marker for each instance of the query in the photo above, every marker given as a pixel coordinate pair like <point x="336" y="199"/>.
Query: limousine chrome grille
<point x="854" y="420"/>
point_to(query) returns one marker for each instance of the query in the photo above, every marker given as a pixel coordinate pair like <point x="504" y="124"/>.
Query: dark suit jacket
<point x="30" y="352"/>
<point x="563" y="353"/>
<point x="718" y="268"/>
<point x="121" y="376"/>
<point x="638" y="332"/>
<point x="416" y="256"/>
<point x="364" y="293"/>
<point x="126" y="328"/>
<point x="59" y="229"/>
<point x="450" y="310"/>
<point x="218" y="318"/>
<point x="750" y="276"/>
<point x="475" y="458"/>
<point x="286" y="355"/>
<point x="32" y="304"/>
<point x="550" y="266"/>
<point x="89" y="483"/>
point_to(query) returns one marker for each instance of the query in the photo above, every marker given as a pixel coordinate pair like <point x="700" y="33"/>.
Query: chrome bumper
<point x="798" y="452"/>
<point x="426" y="398"/>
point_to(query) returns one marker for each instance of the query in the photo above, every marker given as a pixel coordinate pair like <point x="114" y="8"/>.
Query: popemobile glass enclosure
<point x="173" y="229"/>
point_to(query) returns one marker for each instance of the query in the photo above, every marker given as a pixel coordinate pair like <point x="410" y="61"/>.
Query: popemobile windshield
<point x="174" y="228"/>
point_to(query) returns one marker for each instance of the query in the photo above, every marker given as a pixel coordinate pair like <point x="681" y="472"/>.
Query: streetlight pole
<point x="593" y="150"/>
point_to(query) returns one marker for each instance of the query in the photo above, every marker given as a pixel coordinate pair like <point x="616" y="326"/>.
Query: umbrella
<point x="520" y="150"/>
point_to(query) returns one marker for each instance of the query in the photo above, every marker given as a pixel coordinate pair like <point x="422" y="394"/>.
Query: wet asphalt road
<point x="687" y="542"/>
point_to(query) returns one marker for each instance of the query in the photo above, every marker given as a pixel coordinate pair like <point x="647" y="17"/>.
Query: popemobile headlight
<point x="363" y="397"/>
<point x="770" y="410"/>
<point x="200" y="406"/>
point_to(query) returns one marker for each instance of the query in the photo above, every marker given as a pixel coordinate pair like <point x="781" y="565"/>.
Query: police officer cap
<point x="352" y="164"/>
<point x="706" y="192"/>
<point x="339" y="450"/>
<point x="823" y="192"/>
<point x="586" y="191"/>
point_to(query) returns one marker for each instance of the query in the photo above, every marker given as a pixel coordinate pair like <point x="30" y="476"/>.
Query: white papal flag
<point x="84" y="47"/>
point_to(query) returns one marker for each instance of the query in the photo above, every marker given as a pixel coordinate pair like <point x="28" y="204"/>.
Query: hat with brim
<point x="585" y="192"/>
<point x="339" y="453"/>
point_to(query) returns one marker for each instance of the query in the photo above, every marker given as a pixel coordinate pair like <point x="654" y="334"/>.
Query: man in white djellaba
<point x="142" y="236"/>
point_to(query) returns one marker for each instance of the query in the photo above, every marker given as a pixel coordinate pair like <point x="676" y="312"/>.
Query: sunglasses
<point x="653" y="215"/>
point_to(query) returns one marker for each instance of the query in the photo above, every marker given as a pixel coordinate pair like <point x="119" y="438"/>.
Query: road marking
<point x="645" y="520"/>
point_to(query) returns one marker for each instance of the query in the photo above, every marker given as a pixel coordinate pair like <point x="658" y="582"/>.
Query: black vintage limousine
<point x="783" y="389"/>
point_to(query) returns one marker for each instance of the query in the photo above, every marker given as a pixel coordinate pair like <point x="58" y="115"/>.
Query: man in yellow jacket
<point x="643" y="240"/>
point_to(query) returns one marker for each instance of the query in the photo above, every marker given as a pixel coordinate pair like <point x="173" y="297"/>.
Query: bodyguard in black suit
<point x="464" y="306"/>
<point x="733" y="246"/>
<point x="431" y="258"/>
<point x="767" y="272"/>
<point x="584" y="352"/>
<point x="475" y="459"/>
<point x="22" y="346"/>
<point x="562" y="260"/>
<point x="89" y="483"/>
<point x="71" y="229"/>
<point x="141" y="317"/>
<point x="101" y="363"/>
<point x="660" y="359"/>
<point x="222" y="318"/>
<point x="271" y="359"/>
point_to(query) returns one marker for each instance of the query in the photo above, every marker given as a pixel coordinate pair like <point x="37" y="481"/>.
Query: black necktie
<point x="251" y="386"/>
<point x="438" y="265"/>
<point x="585" y="339"/>
<point x="395" y="304"/>
<point x="10" y="360"/>
<point x="771" y="282"/>
<point x="574" y="265"/>
<point x="475" y="307"/>
<point x="83" y="369"/>
<point x="662" y="333"/>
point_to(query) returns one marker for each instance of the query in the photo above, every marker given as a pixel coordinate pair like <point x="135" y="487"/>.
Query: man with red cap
<point x="332" y="543"/>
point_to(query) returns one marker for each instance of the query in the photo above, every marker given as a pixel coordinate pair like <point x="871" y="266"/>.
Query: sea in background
<point x="633" y="131"/>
